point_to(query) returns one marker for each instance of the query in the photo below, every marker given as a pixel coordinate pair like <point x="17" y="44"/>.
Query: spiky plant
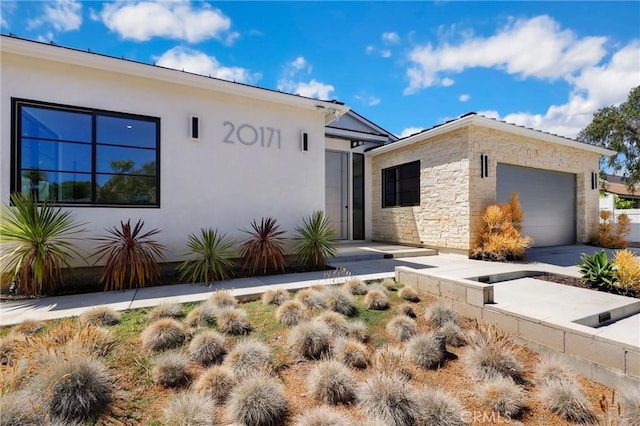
<point x="249" y="357"/>
<point x="171" y="369"/>
<point x="389" y="398"/>
<point x="132" y="256"/>
<point x="36" y="240"/>
<point x="331" y="382"/>
<point x="339" y="300"/>
<point x="503" y="396"/>
<point x="258" y="401"/>
<point x="567" y="399"/>
<point x="292" y="312"/>
<point x="165" y="333"/>
<point x="402" y="327"/>
<point x="436" y="407"/>
<point x="437" y="314"/>
<point x="336" y="322"/>
<point x="355" y="286"/>
<point x="322" y="416"/>
<point x="208" y="347"/>
<point x="233" y="321"/>
<point x="376" y="300"/>
<point x="188" y="408"/>
<point x="223" y="299"/>
<point x="212" y="256"/>
<point x="275" y="297"/>
<point x="351" y="353"/>
<point x="409" y="294"/>
<point x="427" y="350"/>
<point x="100" y="315"/>
<point x="315" y="239"/>
<point x="216" y="383"/>
<point x="310" y="340"/>
<point x="167" y="310"/>
<point x="264" y="248"/>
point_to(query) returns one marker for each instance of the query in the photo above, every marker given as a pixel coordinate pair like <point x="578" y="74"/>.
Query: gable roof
<point x="356" y="127"/>
<point x="480" y="120"/>
<point x="12" y="44"/>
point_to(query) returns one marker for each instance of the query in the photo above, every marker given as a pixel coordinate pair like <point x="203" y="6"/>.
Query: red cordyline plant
<point x="265" y="246"/>
<point x="131" y="256"/>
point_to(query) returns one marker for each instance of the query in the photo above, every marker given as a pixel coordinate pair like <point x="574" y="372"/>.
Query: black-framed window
<point x="401" y="185"/>
<point x="82" y="156"/>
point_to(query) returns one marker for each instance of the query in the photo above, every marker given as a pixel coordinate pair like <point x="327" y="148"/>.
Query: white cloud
<point x="368" y="100"/>
<point x="536" y="47"/>
<point x="464" y="97"/>
<point x="174" y="20"/>
<point x="369" y="49"/>
<point x="410" y="131"/>
<point x="310" y="89"/>
<point x="301" y="63"/>
<point x="385" y="53"/>
<point x="61" y="15"/>
<point x="194" y="61"/>
<point x="7" y="7"/>
<point x="390" y="37"/>
<point x="446" y="82"/>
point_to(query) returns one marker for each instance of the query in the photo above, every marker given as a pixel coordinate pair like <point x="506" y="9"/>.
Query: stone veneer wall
<point x="503" y="147"/>
<point x="442" y="218"/>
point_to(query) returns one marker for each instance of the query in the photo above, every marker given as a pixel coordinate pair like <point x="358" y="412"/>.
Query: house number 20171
<point x="248" y="135"/>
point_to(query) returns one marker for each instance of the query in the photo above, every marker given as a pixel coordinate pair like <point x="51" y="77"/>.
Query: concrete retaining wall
<point x="600" y="359"/>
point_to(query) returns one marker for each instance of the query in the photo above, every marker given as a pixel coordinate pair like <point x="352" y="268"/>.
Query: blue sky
<point x="404" y="65"/>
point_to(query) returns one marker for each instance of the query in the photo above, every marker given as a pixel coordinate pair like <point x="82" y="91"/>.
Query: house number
<point x="249" y="135"/>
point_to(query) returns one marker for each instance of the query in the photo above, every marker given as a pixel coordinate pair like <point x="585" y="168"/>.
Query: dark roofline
<point x="89" y="51"/>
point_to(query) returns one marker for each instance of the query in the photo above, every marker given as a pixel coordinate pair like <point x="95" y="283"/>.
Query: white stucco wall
<point x="208" y="183"/>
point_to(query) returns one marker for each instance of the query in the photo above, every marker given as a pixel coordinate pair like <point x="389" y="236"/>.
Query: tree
<point x="618" y="128"/>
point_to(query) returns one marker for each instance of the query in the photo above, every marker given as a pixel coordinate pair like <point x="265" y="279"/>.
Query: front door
<point x="337" y="191"/>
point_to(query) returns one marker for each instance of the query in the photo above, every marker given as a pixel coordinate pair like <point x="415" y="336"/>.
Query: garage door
<point x="548" y="199"/>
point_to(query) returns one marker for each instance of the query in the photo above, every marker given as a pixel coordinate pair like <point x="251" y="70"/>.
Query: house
<point x="614" y="186"/>
<point x="113" y="139"/>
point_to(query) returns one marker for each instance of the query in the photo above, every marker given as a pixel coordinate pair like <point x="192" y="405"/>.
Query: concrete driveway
<point x="566" y="255"/>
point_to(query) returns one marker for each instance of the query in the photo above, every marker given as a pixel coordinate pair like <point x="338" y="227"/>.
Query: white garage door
<point x="548" y="199"/>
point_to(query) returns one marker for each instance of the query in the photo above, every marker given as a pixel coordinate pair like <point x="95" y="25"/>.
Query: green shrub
<point x="258" y="401"/>
<point x="165" y="333"/>
<point x="188" y="408"/>
<point x="213" y="253"/>
<point x="216" y="383"/>
<point x="132" y="256"/>
<point x="264" y="248"/>
<point x="597" y="270"/>
<point x="331" y="382"/>
<point x="36" y="240"/>
<point x="314" y="241"/>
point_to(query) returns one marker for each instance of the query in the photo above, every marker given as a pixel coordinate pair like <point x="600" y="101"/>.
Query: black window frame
<point x="17" y="147"/>
<point x="398" y="183"/>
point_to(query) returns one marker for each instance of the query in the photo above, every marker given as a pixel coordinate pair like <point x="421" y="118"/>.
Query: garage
<point x="548" y="199"/>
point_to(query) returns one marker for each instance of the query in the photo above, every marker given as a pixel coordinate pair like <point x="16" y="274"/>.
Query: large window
<point x="401" y="185"/>
<point x="81" y="156"/>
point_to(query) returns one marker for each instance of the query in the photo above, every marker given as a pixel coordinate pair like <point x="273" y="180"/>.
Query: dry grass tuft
<point x="388" y="398"/>
<point x="258" y="401"/>
<point x="292" y="312"/>
<point x="216" y="383"/>
<point x="409" y="294"/>
<point x="427" y="350"/>
<point x="162" y="334"/>
<point x="223" y="299"/>
<point x="356" y="287"/>
<point x="436" y="407"/>
<point x="339" y="300"/>
<point x="331" y="382"/>
<point x="233" y="321"/>
<point x="27" y="327"/>
<point x="376" y="300"/>
<point x="552" y="368"/>
<point x="453" y="333"/>
<point x="627" y="272"/>
<point x="351" y="353"/>
<point x="202" y="315"/>
<point x="492" y="354"/>
<point x="100" y="315"/>
<point x="357" y="330"/>
<point x="21" y="409"/>
<point x="188" y="408"/>
<point x="503" y="396"/>
<point x="406" y="309"/>
<point x="170" y="369"/>
<point x="167" y="310"/>
<point x="389" y="284"/>
<point x="208" y="347"/>
<point x="566" y="399"/>
<point x="10" y="346"/>
<point x="392" y="359"/>
<point x="336" y="322"/>
<point x="275" y="297"/>
<point x="322" y="416"/>
<point x="310" y="340"/>
<point x="402" y="327"/>
<point x="249" y="357"/>
<point x="631" y="403"/>
<point x="311" y="298"/>
<point x="438" y="314"/>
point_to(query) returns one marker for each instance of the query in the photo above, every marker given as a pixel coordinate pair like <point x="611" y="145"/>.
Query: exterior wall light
<point x="594" y="180"/>
<point x="484" y="166"/>
<point x="194" y="125"/>
<point x="304" y="141"/>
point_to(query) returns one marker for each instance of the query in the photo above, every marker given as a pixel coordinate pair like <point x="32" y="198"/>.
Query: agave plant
<point x="597" y="270"/>
<point x="132" y="256"/>
<point x="265" y="246"/>
<point x="214" y="253"/>
<point x="315" y="240"/>
<point x="36" y="243"/>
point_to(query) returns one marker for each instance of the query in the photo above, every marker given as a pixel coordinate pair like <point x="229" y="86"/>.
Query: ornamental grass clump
<point x="339" y="300"/>
<point x="388" y="398"/>
<point x="627" y="273"/>
<point x="100" y="315"/>
<point x="208" y="347"/>
<point x="292" y="312"/>
<point x="258" y="401"/>
<point x="453" y="333"/>
<point x="222" y="299"/>
<point x="351" y="353"/>
<point x="492" y="354"/>
<point x="203" y="315"/>
<point x="567" y="399"/>
<point x="406" y="309"/>
<point x="389" y="284"/>
<point x="427" y="350"/>
<point x="322" y="416"/>
<point x="612" y="231"/>
<point x="275" y="297"/>
<point x="376" y="300"/>
<point x="233" y="321"/>
<point x="263" y="250"/>
<point x="503" y="396"/>
<point x="132" y="256"/>
<point x="188" y="408"/>
<point x="21" y="409"/>
<point x="331" y="382"/>
<point x="552" y="368"/>
<point x="170" y="369"/>
<point x="27" y="327"/>
<point x="402" y="327"/>
<point x="311" y="298"/>
<point x="438" y="314"/>
<point x="393" y="359"/>
<point x="211" y="255"/>
<point x="249" y="357"/>
<point x="436" y="407"/>
<point x="167" y="310"/>
<point x="216" y="383"/>
<point x="498" y="235"/>
<point x="355" y="287"/>
<point x="357" y="330"/>
<point x="163" y="334"/>
<point x="409" y="294"/>
<point x="630" y="398"/>
<point x="310" y="340"/>
<point x="336" y="322"/>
